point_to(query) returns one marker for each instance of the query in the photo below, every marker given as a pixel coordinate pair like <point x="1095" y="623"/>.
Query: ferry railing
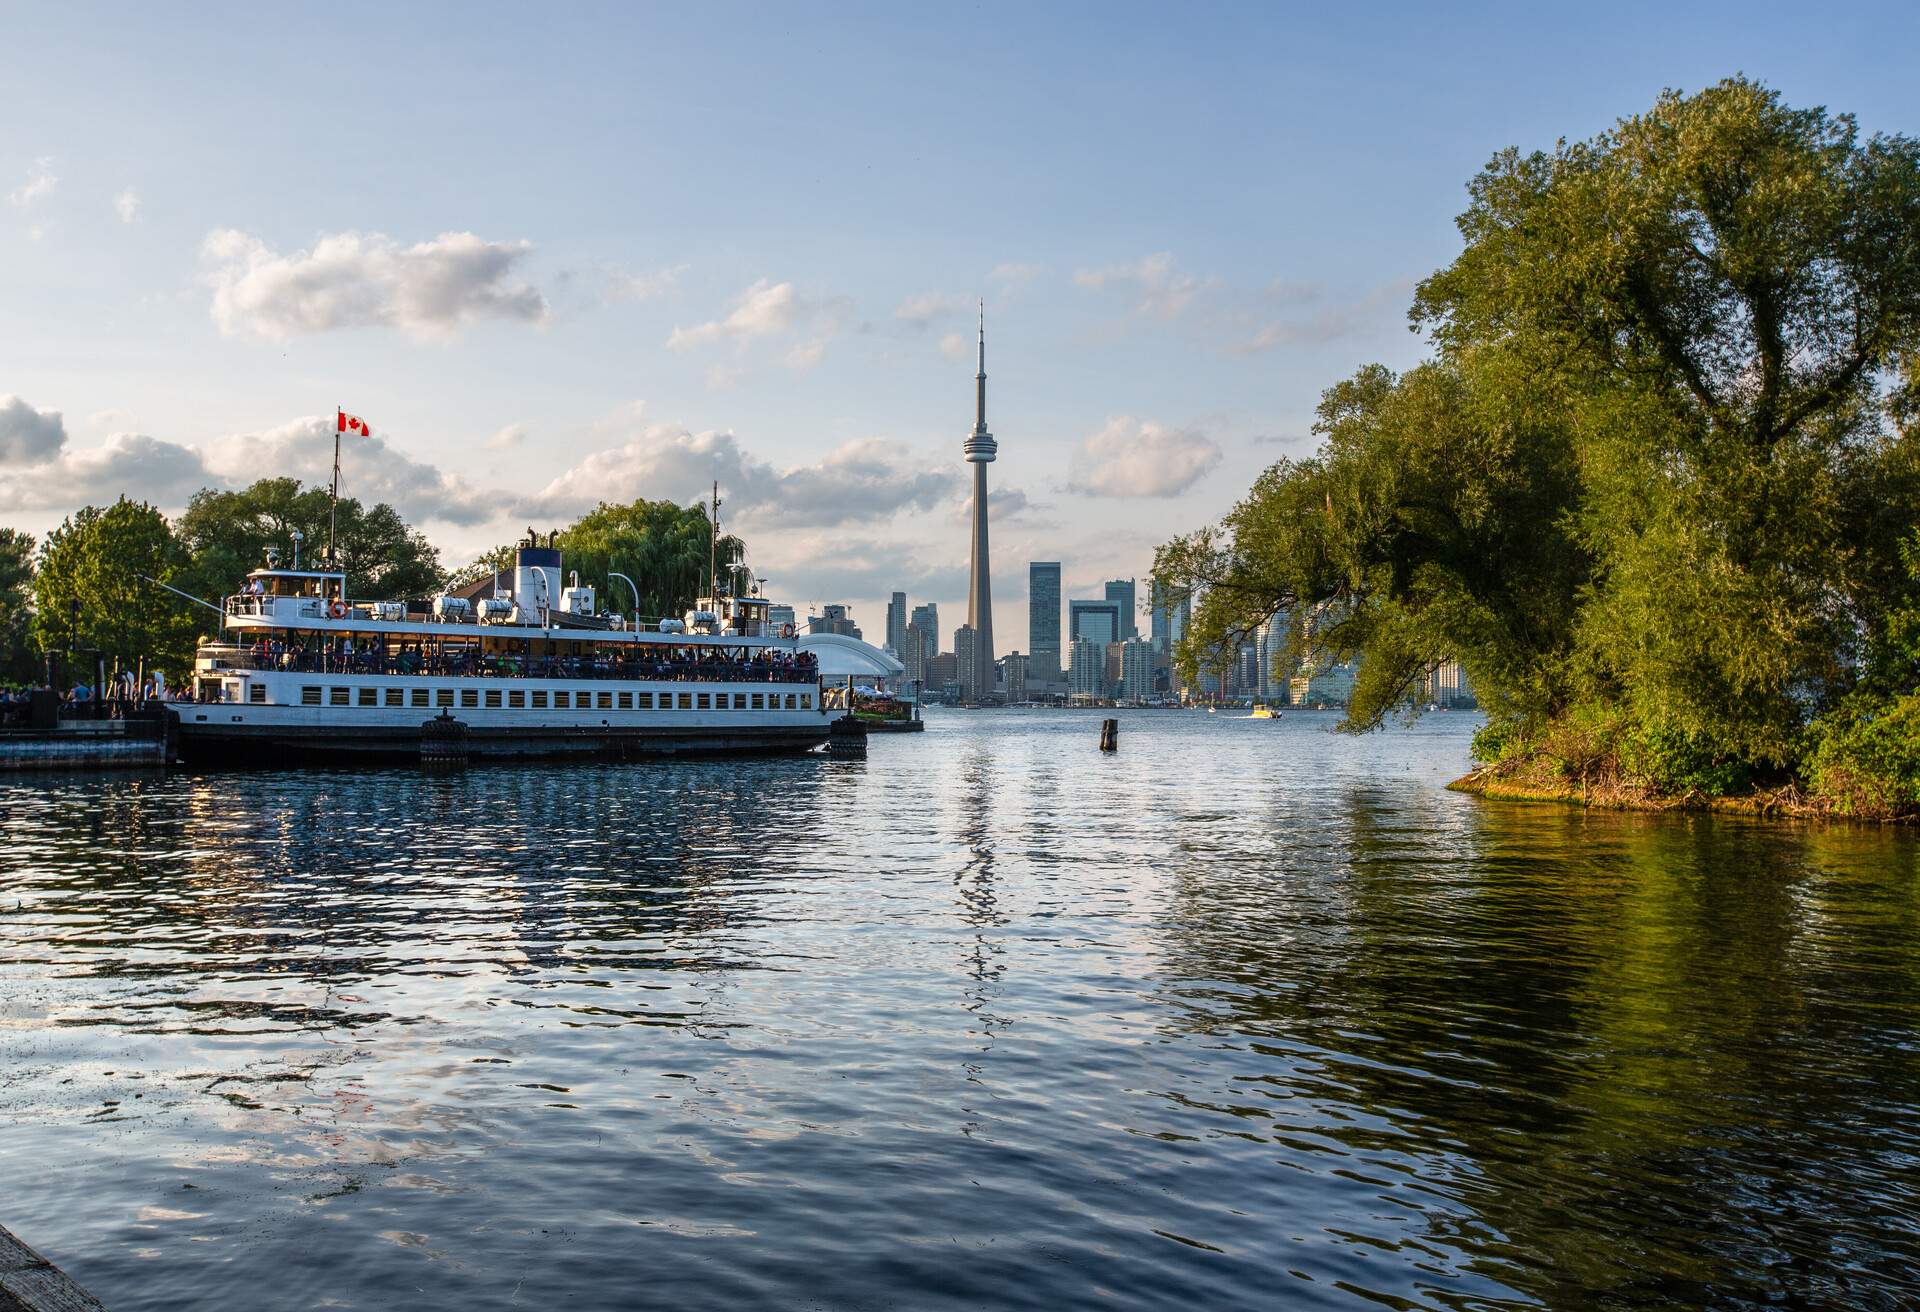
<point x="243" y="659"/>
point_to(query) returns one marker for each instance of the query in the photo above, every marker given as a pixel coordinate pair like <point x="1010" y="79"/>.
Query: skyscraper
<point x="897" y="624"/>
<point x="1121" y="591"/>
<point x="928" y="618"/>
<point x="980" y="449"/>
<point x="966" y="648"/>
<point x="1094" y="621"/>
<point x="1043" y="620"/>
<point x="1170" y="615"/>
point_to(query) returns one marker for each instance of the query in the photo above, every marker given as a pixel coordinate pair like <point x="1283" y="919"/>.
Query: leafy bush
<point x="1865" y="756"/>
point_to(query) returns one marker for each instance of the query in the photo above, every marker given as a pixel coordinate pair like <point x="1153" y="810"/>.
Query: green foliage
<point x="1651" y="489"/>
<point x="661" y="546"/>
<point x="227" y="534"/>
<point x="1863" y="754"/>
<point x="19" y="659"/>
<point x="88" y="594"/>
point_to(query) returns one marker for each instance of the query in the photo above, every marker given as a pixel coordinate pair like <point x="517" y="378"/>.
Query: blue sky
<point x="615" y="251"/>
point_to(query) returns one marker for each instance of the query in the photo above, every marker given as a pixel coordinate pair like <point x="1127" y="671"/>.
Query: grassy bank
<point x="1537" y="780"/>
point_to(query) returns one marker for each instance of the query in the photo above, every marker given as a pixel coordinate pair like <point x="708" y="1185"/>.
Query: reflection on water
<point x="1246" y="1013"/>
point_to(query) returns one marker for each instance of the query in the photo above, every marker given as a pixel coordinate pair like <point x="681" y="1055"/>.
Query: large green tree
<point x="19" y="659"/>
<point x="1658" y="472"/>
<point x="89" y="593"/>
<point x="227" y="534"/>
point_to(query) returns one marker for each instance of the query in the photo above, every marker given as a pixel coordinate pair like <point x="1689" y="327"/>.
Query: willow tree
<point x="1656" y="473"/>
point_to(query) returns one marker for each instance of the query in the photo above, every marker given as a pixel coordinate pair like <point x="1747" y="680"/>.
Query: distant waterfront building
<point x="966" y="650"/>
<point x="897" y="625"/>
<point x="1013" y="677"/>
<point x="1170" y="615"/>
<point x="1447" y="687"/>
<point x="941" y="671"/>
<point x="914" y="655"/>
<point x="928" y="618"/>
<point x="1093" y="621"/>
<point x="1043" y="619"/>
<point x="833" y="619"/>
<point x="1136" y="669"/>
<point x="1121" y="592"/>
<point x="1087" y="669"/>
<point x="1271" y="644"/>
<point x="1330" y="685"/>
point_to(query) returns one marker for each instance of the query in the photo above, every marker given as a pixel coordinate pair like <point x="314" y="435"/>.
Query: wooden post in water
<point x="1109" y="735"/>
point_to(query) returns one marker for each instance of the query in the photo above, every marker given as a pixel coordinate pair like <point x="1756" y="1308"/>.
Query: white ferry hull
<point x="369" y="717"/>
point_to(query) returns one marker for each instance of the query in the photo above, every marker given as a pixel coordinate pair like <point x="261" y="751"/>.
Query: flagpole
<point x="333" y="501"/>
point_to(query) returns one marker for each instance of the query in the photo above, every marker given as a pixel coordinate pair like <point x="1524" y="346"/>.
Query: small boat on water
<point x="1262" y="711"/>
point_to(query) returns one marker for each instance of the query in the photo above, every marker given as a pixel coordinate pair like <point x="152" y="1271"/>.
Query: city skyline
<point x="547" y="298"/>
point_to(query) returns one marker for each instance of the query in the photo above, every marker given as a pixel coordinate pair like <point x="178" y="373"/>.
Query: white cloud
<point x="761" y="310"/>
<point x="865" y="479"/>
<point x="764" y="310"/>
<point x="507" y="438"/>
<point x="1016" y="275"/>
<point x="359" y="280"/>
<point x="29" y="436"/>
<point x="957" y="347"/>
<point x="130" y="464"/>
<point x="918" y="312"/>
<point x="1163" y="291"/>
<point x="1135" y="458"/>
<point x="370" y="469"/>
<point x="624" y="286"/>
<point x="127" y="205"/>
<point x="38" y="186"/>
<point x="1371" y="309"/>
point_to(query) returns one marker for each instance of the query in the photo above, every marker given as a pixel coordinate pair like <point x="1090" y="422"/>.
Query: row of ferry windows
<point x="537" y="699"/>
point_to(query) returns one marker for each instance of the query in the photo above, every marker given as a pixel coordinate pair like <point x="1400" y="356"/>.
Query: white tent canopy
<point x="840" y="656"/>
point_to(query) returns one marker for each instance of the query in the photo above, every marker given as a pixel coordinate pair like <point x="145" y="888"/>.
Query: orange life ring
<point x="786" y="630"/>
<point x="336" y="609"/>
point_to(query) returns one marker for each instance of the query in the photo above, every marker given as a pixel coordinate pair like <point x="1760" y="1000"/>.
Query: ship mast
<point x="713" y="548"/>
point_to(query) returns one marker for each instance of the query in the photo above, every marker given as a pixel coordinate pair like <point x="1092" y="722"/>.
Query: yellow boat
<point x="1261" y="711"/>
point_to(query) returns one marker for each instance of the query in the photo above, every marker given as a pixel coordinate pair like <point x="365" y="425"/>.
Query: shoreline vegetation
<point x="1656" y="487"/>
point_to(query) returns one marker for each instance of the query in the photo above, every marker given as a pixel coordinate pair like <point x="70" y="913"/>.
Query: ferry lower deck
<point x="261" y="715"/>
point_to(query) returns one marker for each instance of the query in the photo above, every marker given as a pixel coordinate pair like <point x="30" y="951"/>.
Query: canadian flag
<point x="346" y="423"/>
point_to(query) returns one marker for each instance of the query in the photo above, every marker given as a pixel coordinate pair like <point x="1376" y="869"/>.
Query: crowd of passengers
<point x="679" y="664"/>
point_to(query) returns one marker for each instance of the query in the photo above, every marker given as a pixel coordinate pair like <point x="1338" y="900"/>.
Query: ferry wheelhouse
<point x="303" y="670"/>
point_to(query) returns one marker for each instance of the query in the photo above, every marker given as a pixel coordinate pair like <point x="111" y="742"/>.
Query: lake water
<point x="1247" y="1014"/>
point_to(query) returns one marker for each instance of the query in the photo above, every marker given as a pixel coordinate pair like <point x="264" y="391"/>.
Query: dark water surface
<point x="1246" y="1015"/>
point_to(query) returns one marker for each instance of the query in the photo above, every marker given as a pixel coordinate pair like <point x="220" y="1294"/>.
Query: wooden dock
<point x="30" y="1283"/>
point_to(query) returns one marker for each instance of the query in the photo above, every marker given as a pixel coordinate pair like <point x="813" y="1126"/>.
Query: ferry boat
<point x="302" y="670"/>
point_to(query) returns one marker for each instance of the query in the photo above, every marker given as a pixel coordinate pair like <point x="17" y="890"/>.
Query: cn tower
<point x="980" y="449"/>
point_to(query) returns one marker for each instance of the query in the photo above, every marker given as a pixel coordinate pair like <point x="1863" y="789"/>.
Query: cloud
<point x="507" y="438"/>
<point x="38" y="186"/>
<point x="624" y="286"/>
<point x="127" y="205"/>
<point x="769" y="309"/>
<point x="1370" y="309"/>
<point x="917" y="312"/>
<point x="720" y="377"/>
<point x="1016" y="275"/>
<point x="130" y="464"/>
<point x="861" y="480"/>
<point x="362" y="280"/>
<point x="1135" y="458"/>
<point x="761" y="310"/>
<point x="957" y="347"/>
<point x="29" y="436"/>
<point x="370" y="469"/>
<point x="1163" y="291"/>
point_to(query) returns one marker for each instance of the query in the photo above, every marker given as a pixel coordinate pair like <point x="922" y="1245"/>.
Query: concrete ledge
<point x="30" y="1283"/>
